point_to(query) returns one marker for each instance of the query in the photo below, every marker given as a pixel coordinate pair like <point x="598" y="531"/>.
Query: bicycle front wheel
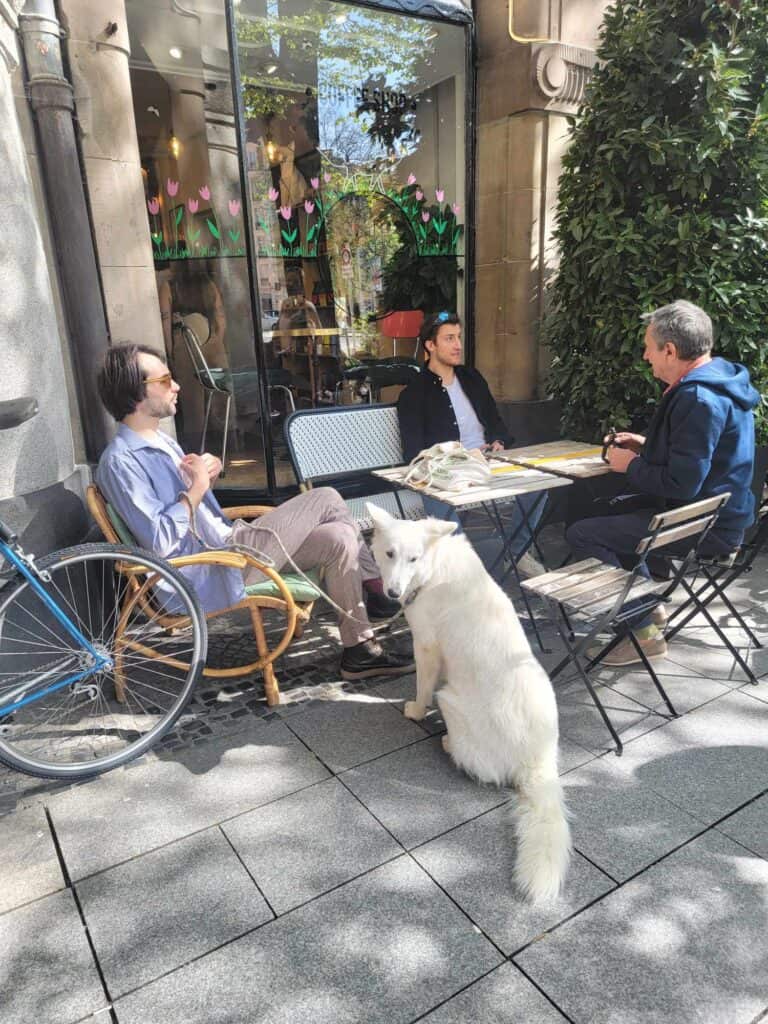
<point x="94" y="683"/>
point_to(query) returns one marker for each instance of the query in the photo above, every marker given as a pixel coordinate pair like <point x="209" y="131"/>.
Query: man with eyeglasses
<point x="166" y="500"/>
<point x="452" y="402"/>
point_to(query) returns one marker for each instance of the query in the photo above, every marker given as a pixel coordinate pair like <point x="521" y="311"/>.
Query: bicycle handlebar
<point x="17" y="411"/>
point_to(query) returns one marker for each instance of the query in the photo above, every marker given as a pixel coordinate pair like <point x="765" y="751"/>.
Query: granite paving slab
<point x="309" y="842"/>
<point x="711" y="659"/>
<point x="581" y="723"/>
<point x="417" y="793"/>
<point x="30" y="865"/>
<point x="708" y="762"/>
<point x="682" y="942"/>
<point x="749" y="826"/>
<point x="47" y="973"/>
<point x="619" y="822"/>
<point x="475" y="865"/>
<point x="685" y="691"/>
<point x="353" y="729"/>
<point x="135" y="809"/>
<point x="505" y="996"/>
<point x="398" y="691"/>
<point x="162" y="909"/>
<point x="382" y="949"/>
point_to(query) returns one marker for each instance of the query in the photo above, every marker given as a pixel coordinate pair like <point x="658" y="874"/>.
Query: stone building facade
<point x="533" y="61"/>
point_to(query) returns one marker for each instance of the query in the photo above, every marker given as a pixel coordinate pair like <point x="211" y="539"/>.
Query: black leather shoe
<point x="370" y="659"/>
<point x="379" y="606"/>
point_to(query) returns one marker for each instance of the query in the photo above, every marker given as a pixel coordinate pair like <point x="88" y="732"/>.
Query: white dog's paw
<point x="446" y="744"/>
<point x="414" y="710"/>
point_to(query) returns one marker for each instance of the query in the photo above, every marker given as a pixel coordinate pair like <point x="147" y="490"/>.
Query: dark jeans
<point x="613" y="539"/>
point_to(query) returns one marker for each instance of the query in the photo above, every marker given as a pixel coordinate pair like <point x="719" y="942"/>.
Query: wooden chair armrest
<point x="247" y="511"/>
<point x="230" y="559"/>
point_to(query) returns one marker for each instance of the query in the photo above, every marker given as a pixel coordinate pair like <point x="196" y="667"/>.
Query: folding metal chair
<point x="713" y="576"/>
<point x="619" y="599"/>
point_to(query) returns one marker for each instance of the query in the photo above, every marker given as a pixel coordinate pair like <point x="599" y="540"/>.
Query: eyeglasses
<point x="166" y="380"/>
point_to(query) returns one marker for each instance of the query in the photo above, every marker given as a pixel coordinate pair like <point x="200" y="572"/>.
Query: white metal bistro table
<point x="508" y="482"/>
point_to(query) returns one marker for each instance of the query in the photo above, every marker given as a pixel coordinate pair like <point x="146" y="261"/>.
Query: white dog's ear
<point x="379" y="515"/>
<point x="439" y="528"/>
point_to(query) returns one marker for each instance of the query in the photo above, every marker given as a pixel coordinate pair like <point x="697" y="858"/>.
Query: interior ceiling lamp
<point x="175" y="52"/>
<point x="174" y="146"/>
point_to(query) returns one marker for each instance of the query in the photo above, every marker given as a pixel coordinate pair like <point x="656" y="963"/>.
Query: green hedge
<point x="663" y="196"/>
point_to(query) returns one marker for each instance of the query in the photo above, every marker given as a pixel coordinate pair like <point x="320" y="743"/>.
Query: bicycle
<point x="91" y="675"/>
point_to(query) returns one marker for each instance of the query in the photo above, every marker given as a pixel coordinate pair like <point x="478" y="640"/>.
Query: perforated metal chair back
<point x="326" y="443"/>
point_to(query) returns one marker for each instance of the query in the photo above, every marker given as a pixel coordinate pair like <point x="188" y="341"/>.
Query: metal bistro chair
<point x="221" y="381"/>
<point x="713" y="576"/>
<point x="341" y="445"/>
<point x="616" y="599"/>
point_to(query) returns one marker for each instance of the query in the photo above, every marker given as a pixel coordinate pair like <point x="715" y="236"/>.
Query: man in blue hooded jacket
<point x="700" y="442"/>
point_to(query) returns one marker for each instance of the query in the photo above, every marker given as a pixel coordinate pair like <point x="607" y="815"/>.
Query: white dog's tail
<point x="543" y="838"/>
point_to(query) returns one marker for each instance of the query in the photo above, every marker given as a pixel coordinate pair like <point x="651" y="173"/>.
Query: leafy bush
<point x="663" y="196"/>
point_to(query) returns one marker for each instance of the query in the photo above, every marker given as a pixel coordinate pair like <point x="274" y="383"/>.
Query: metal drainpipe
<point x="52" y="100"/>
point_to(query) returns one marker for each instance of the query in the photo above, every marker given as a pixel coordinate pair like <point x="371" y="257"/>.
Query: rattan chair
<point x="287" y="593"/>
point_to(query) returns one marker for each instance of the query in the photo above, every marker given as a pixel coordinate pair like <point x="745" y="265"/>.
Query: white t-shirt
<point x="471" y="433"/>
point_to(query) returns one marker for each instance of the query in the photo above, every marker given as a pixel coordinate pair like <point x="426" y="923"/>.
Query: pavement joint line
<point x="76" y="897"/>
<point x="536" y="985"/>
<point x="763" y="1015"/>
<point x="247" y="870"/>
<point x="458" y="992"/>
<point x="370" y="760"/>
<point x="462" y="911"/>
<point x="196" y="832"/>
<point x="642" y="871"/>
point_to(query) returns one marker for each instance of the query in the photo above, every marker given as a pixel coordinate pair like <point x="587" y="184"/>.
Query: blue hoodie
<point x="701" y="442"/>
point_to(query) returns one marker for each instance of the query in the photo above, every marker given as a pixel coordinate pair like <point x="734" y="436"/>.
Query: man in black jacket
<point x="452" y="402"/>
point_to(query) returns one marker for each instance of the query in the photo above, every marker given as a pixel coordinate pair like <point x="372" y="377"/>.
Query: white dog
<point x="497" y="701"/>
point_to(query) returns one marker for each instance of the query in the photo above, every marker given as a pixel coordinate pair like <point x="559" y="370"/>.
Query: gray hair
<point x="687" y="326"/>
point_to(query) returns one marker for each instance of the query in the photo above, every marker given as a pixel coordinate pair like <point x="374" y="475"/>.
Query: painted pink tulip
<point x="425" y="215"/>
<point x="234" y="207"/>
<point x="172" y="187"/>
<point x="456" y="209"/>
<point x="192" y="205"/>
<point x="411" y="179"/>
<point x="153" y="205"/>
<point x="205" y="193"/>
<point x="314" y="182"/>
<point x="326" y="177"/>
<point x="439" y="195"/>
<point x="309" y="206"/>
<point x="286" y="212"/>
<point x="273" y="194"/>
<point x="419" y="194"/>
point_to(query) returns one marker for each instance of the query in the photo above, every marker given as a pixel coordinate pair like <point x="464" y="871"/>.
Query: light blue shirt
<point x="140" y="480"/>
<point x="471" y="432"/>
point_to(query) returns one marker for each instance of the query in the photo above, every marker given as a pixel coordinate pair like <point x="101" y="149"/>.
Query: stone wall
<point x="534" y="61"/>
<point x="42" y="453"/>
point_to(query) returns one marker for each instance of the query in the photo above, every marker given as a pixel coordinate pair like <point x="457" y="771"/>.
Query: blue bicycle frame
<point x="24" y="565"/>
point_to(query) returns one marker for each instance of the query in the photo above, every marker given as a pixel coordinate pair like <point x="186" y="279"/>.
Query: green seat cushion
<point x="301" y="591"/>
<point x="120" y="528"/>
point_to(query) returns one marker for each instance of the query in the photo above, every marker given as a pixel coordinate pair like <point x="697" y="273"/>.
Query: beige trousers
<point x="316" y="530"/>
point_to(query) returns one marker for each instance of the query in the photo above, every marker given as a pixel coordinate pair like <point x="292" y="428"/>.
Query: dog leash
<point x="260" y="556"/>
